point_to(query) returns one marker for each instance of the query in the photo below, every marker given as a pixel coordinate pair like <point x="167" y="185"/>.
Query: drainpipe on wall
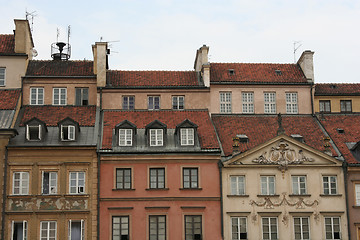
<point x="4" y="195"/>
<point x="221" y="199"/>
<point x="312" y="99"/>
<point x="98" y="162"/>
<point x="344" y="166"/>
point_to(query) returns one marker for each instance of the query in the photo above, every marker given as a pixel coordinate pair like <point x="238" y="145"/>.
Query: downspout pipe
<point x="345" y="169"/>
<point x="99" y="165"/>
<point x="221" y="199"/>
<point x="312" y="99"/>
<point x="4" y="195"/>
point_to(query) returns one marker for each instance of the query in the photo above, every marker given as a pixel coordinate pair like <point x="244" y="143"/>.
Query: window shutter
<point x="27" y="132"/>
<point x="78" y="96"/>
<point x="82" y="229"/>
<point x="12" y="230"/>
<point x="25" y="230"/>
<point x="69" y="232"/>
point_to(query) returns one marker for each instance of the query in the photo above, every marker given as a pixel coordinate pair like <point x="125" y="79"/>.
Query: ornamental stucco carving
<point x="47" y="204"/>
<point x="270" y="204"/>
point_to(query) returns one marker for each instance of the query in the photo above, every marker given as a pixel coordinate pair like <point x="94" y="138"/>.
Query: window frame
<point x="156" y="133"/>
<point x="332" y="227"/>
<point x="24" y="226"/>
<point x="268" y="192"/>
<point x="48" y="229"/>
<point x="190" y="181"/>
<point x="268" y="104"/>
<point x="225" y="102"/>
<point x="24" y="184"/>
<point x="28" y="135"/>
<point x="344" y="106"/>
<point x="125" y="135"/>
<point x="126" y="105"/>
<point x="269" y="227"/>
<point x="82" y="228"/>
<point x="158" y="177"/>
<point x="120" y="224"/>
<point x="157" y="226"/>
<point x="81" y="97"/>
<point x="2" y="79"/>
<point x="152" y="103"/>
<point x="71" y="132"/>
<point x="77" y="185"/>
<point x="301" y="224"/>
<point x="298" y="183"/>
<point x="235" y="190"/>
<point x="292" y="100"/>
<point x="329" y="185"/>
<point x="247" y="102"/>
<point x="38" y="100"/>
<point x="176" y="103"/>
<point x="357" y="193"/>
<point x="323" y="104"/>
<point x="193" y="229"/>
<point x="58" y="102"/>
<point x="187" y="136"/>
<point x="123" y="179"/>
<point x="50" y="185"/>
<point x="239" y="227"/>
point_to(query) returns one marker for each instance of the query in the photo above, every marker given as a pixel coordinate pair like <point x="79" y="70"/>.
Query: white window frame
<point x="302" y="231"/>
<point x="77" y="179"/>
<point x="187" y="136"/>
<point x="24" y="182"/>
<point x="2" y="79"/>
<point x="269" y="226"/>
<point x="247" y="102"/>
<point x="225" y="102"/>
<point x="298" y="185"/>
<point x="292" y="103"/>
<point x="61" y="92"/>
<point x="156" y="137"/>
<point x="53" y="179"/>
<point x="266" y="191"/>
<point x="357" y="194"/>
<point x="28" y="132"/>
<point x="239" y="227"/>
<point x="39" y="95"/>
<point x="82" y="228"/>
<point x="48" y="229"/>
<point x="71" y="132"/>
<point x="270" y="102"/>
<point x="237" y="185"/>
<point x="122" y="224"/>
<point x="332" y="227"/>
<point x="327" y="185"/>
<point x="125" y="137"/>
<point x="176" y="102"/>
<point x="151" y="103"/>
<point x="128" y="106"/>
<point x="25" y="229"/>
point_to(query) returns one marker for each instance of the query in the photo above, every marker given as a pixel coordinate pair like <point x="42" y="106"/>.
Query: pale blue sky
<point x="164" y="34"/>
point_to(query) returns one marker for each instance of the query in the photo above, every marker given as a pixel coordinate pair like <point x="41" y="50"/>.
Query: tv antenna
<point x="69" y="30"/>
<point x="297" y="45"/>
<point x="30" y="16"/>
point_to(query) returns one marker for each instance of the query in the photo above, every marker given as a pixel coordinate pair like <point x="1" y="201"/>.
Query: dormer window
<point x="278" y="72"/>
<point x="155" y="132"/>
<point x="33" y="133"/>
<point x="125" y="132"/>
<point x="298" y="137"/>
<point x="67" y="133"/>
<point x="231" y="72"/>
<point x="156" y="137"/>
<point x="187" y="136"/>
<point x="125" y="137"/>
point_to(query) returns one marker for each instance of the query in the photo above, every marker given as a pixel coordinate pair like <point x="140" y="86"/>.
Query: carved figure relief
<point x="39" y="204"/>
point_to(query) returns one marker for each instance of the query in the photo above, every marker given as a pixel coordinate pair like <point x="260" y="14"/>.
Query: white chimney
<point x="202" y="64"/>
<point x="100" y="62"/>
<point x="23" y="38"/>
<point x="306" y="63"/>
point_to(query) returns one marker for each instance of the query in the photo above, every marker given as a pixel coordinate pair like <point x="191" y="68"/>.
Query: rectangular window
<point x="125" y="137"/>
<point x="47" y="230"/>
<point x="123" y="178"/>
<point x="49" y="183"/>
<point x="178" y="102"/>
<point x="153" y="103"/>
<point x="67" y="133"/>
<point x="267" y="185"/>
<point x="325" y="106"/>
<point x="270" y="102"/>
<point x="357" y="194"/>
<point x="157" y="177"/>
<point x="193" y="227"/>
<point x="20" y="183"/>
<point x="248" y="102"/>
<point x="33" y="133"/>
<point x="120" y="228"/>
<point x="2" y="76"/>
<point x="157" y="227"/>
<point x="237" y="185"/>
<point x="19" y="230"/>
<point x="345" y="106"/>
<point x="76" y="230"/>
<point x="329" y="184"/>
<point x="269" y="228"/>
<point x="299" y="185"/>
<point x="156" y="137"/>
<point x="77" y="182"/>
<point x="59" y="96"/>
<point x="332" y="228"/>
<point x="128" y="102"/>
<point x="190" y="178"/>
<point x="301" y="228"/>
<point x="81" y="96"/>
<point x="291" y="103"/>
<point x="238" y="228"/>
<point x="36" y="96"/>
<point x="187" y="136"/>
<point x="225" y="102"/>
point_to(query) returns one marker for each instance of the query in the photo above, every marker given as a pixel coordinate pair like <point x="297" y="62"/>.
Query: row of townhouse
<point x="93" y="153"/>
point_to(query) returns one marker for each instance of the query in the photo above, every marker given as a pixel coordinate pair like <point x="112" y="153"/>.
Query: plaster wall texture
<point x="354" y="208"/>
<point x="15" y="67"/>
<point x="335" y="102"/>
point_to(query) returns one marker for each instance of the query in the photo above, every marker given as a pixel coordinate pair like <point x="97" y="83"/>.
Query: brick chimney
<point x="202" y="64"/>
<point x="23" y="38"/>
<point x="306" y="63"/>
<point x="100" y="62"/>
<point x="236" y="145"/>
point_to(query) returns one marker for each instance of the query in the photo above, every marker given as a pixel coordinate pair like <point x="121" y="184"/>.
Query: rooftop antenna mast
<point x="57" y="34"/>
<point x="69" y="30"/>
<point x="297" y="45"/>
<point x="30" y="16"/>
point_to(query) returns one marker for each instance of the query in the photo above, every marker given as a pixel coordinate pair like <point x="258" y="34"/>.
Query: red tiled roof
<point x="9" y="98"/>
<point x="60" y="68"/>
<point x="206" y="131"/>
<point x="7" y="44"/>
<point x="260" y="129"/>
<point x="337" y="89"/>
<point x="351" y="125"/>
<point x="256" y="73"/>
<point x="51" y="115"/>
<point x="152" y="78"/>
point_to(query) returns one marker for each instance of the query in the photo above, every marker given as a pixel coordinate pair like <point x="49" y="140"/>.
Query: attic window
<point x="340" y="130"/>
<point x="333" y="86"/>
<point x="243" y="138"/>
<point x="33" y="133"/>
<point x="231" y="72"/>
<point x="67" y="133"/>
<point x="278" y="72"/>
<point x="298" y="137"/>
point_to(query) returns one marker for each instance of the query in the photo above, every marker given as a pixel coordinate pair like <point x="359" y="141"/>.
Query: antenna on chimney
<point x="61" y="50"/>
<point x="297" y="45"/>
<point x="30" y="15"/>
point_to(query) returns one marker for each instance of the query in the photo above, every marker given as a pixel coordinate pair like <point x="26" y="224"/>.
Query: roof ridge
<point x="336" y="83"/>
<point x="51" y="60"/>
<point x="113" y="70"/>
<point x="161" y="110"/>
<point x="7" y="34"/>
<point x="254" y="63"/>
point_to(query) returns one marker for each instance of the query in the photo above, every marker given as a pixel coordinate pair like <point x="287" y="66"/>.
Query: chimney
<point x="236" y="145"/>
<point x="202" y="64"/>
<point x="23" y="38"/>
<point x="306" y="63"/>
<point x="100" y="62"/>
<point x="280" y="130"/>
<point x="327" y="146"/>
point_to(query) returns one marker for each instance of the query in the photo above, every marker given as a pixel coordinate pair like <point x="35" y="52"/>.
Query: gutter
<point x="312" y="99"/>
<point x="344" y="167"/>
<point x="99" y="165"/>
<point x="4" y="195"/>
<point x="221" y="199"/>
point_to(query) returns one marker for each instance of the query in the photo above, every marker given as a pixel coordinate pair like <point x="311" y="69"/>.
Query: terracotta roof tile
<point x="256" y="73"/>
<point x="337" y="89"/>
<point x="9" y="98"/>
<point x="60" y="68"/>
<point x="152" y="78"/>
<point x="350" y="123"/>
<point x="7" y="44"/>
<point x="260" y="129"/>
<point x="206" y="131"/>
<point x="51" y="115"/>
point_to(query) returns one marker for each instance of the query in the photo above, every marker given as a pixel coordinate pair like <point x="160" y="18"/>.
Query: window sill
<point x="356" y="206"/>
<point x="330" y="195"/>
<point x="123" y="189"/>
<point x="238" y="196"/>
<point x="299" y="195"/>
<point x="76" y="195"/>
<point x="157" y="189"/>
<point x="190" y="189"/>
<point x="273" y="195"/>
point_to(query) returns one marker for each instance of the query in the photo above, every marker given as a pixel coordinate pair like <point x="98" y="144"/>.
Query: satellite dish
<point x="34" y="52"/>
